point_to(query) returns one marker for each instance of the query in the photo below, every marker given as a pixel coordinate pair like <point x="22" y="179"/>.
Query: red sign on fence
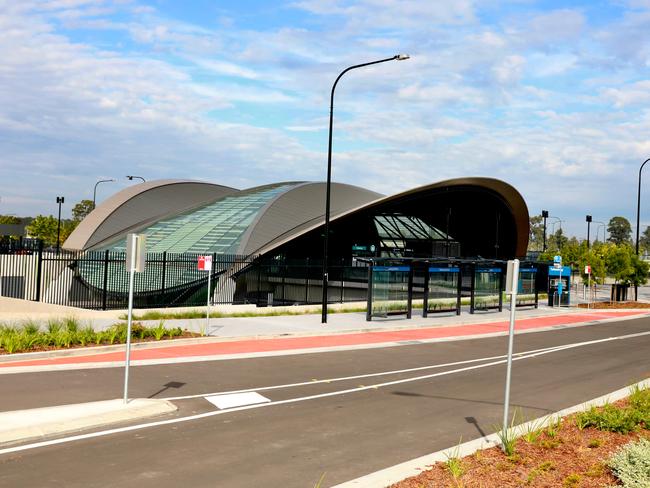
<point x="205" y="263"/>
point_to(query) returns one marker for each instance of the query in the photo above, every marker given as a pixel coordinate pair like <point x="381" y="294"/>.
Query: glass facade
<point x="406" y="235"/>
<point x="215" y="228"/>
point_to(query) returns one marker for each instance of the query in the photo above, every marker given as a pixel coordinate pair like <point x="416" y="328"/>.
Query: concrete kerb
<point x="414" y="467"/>
<point x="23" y="425"/>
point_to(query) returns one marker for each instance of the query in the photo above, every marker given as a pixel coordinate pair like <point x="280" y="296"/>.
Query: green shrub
<point x="631" y="464"/>
<point x="609" y="418"/>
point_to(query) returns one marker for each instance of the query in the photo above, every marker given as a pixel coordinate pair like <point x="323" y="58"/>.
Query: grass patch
<point x="67" y="333"/>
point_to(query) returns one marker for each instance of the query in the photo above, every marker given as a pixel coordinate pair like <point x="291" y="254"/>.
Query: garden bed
<point x="68" y="334"/>
<point x="570" y="452"/>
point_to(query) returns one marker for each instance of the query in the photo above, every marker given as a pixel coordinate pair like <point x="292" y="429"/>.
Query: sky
<point x="552" y="97"/>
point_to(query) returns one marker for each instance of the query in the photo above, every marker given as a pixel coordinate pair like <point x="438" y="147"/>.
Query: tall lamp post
<point x="130" y="177"/>
<point x="60" y="201"/>
<point x="397" y="57"/>
<point x="638" y="212"/>
<point x="544" y="216"/>
<point x="588" y="220"/>
<point x="95" y="190"/>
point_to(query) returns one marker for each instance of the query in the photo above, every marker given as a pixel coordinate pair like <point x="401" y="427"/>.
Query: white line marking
<point x="130" y="428"/>
<point x="356" y="377"/>
<point x="223" y="402"/>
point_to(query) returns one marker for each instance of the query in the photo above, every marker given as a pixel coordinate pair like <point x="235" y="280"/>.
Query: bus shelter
<point x="390" y="291"/>
<point x="527" y="293"/>
<point x="442" y="290"/>
<point x="486" y="288"/>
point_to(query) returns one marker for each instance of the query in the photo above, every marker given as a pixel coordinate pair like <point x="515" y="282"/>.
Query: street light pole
<point x="130" y="177"/>
<point x="397" y="57"/>
<point x="544" y="216"/>
<point x="59" y="200"/>
<point x="95" y="190"/>
<point x="588" y="219"/>
<point x="638" y="212"/>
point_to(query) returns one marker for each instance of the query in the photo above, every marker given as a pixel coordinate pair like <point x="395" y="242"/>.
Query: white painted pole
<point x="511" y="335"/>
<point x="131" y="264"/>
<point x="207" y="315"/>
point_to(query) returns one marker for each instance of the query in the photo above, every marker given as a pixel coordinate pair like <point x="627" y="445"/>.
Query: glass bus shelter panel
<point x="486" y="289"/>
<point x="442" y="290"/>
<point x="527" y="293"/>
<point x="390" y="291"/>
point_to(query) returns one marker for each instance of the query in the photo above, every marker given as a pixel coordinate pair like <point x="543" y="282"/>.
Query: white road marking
<point x="130" y="428"/>
<point x="236" y="399"/>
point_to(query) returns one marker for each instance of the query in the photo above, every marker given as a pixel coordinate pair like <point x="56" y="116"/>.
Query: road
<point x="318" y="420"/>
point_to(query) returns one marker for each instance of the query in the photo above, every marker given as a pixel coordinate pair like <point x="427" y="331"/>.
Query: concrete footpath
<point x="264" y="336"/>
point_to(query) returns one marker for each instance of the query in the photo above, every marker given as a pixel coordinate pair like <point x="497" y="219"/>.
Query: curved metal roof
<point x="139" y="205"/>
<point x="189" y="216"/>
<point x="510" y="196"/>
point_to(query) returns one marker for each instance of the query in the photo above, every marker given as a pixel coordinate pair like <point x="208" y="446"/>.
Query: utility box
<point x="559" y="286"/>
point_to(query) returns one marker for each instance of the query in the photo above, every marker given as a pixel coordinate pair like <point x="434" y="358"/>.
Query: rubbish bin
<point x="552" y="291"/>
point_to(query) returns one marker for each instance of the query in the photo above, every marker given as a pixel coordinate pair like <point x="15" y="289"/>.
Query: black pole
<point x="544" y="216"/>
<point x="638" y="213"/>
<point x="329" y="178"/>
<point x="638" y="207"/>
<point x="588" y="219"/>
<point x="59" y="200"/>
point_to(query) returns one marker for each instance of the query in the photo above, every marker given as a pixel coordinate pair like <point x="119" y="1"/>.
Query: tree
<point x="45" y="229"/>
<point x="536" y="240"/>
<point x="557" y="240"/>
<point x="81" y="210"/>
<point x="10" y="219"/>
<point x="620" y="230"/>
<point x="619" y="263"/>
<point x="644" y="239"/>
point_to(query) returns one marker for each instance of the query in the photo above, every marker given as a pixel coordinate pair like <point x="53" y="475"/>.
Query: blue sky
<point x="553" y="97"/>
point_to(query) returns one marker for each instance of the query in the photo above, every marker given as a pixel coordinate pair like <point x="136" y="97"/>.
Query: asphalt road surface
<point x="344" y="414"/>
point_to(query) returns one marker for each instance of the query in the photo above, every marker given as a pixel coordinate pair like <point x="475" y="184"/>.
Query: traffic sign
<point x="205" y="263"/>
<point x="587" y="269"/>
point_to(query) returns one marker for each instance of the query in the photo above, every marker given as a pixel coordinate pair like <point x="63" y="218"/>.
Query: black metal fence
<point x="99" y="280"/>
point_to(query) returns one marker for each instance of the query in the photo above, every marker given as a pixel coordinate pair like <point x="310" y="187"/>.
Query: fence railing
<point x="99" y="280"/>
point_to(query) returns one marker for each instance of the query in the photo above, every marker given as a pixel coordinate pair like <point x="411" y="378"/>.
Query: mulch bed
<point x="615" y="305"/>
<point x="570" y="458"/>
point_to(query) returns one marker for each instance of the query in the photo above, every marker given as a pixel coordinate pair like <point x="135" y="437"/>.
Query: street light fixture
<point x="95" y="190"/>
<point x="130" y="177"/>
<point x="397" y="57"/>
<point x="588" y="220"/>
<point x="60" y="201"/>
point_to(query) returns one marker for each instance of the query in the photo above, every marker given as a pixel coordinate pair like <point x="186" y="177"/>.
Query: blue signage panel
<point x="443" y="270"/>
<point x="528" y="270"/>
<point x="566" y="271"/>
<point x="391" y="268"/>
<point x="488" y="270"/>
